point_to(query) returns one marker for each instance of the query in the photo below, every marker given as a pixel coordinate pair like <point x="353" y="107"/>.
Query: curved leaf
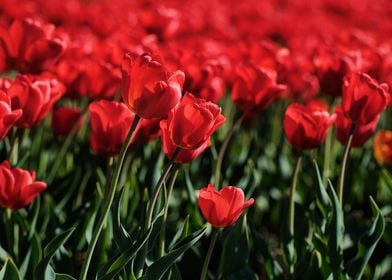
<point x="158" y="268"/>
<point x="9" y="271"/>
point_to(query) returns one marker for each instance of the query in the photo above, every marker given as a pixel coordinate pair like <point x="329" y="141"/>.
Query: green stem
<point x="158" y="187"/>
<point x="346" y="154"/>
<point x="224" y="146"/>
<point x="327" y="157"/>
<point x="292" y="195"/>
<point x="13" y="154"/>
<point x="165" y="211"/>
<point x="291" y="221"/>
<point x="206" y="263"/>
<point x="109" y="200"/>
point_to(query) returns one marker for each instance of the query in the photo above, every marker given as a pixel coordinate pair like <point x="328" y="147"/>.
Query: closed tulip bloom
<point x="149" y="89"/>
<point x="256" y="88"/>
<point x="222" y="208"/>
<point x="8" y="117"/>
<point x="30" y="46"/>
<point x="18" y="187"/>
<point x="35" y="95"/>
<point x="361" y="133"/>
<point x="363" y="98"/>
<point x="184" y="156"/>
<point x="382" y="147"/>
<point x="146" y="131"/>
<point x="110" y="124"/>
<point x="64" y="119"/>
<point x="306" y="127"/>
<point x="193" y="121"/>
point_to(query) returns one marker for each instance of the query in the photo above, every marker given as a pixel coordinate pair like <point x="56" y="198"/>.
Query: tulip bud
<point x="306" y="127"/>
<point x="64" y="119"/>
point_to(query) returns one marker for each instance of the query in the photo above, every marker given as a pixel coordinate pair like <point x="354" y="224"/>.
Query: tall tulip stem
<point x="293" y="188"/>
<point x="109" y="200"/>
<point x="346" y="155"/>
<point x="224" y="146"/>
<point x="206" y="263"/>
<point x="165" y="211"/>
<point x="158" y="187"/>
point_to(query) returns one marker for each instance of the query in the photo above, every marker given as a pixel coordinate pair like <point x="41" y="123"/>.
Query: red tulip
<point x="8" y="117"/>
<point x="382" y="147"/>
<point x="363" y="98"/>
<point x="64" y="119"/>
<point x="35" y="95"/>
<point x="184" y="156"/>
<point x="222" y="208"/>
<point x="18" y="187"/>
<point x="306" y="127"/>
<point x="192" y="122"/>
<point x="30" y="46"/>
<point x="110" y="124"/>
<point x="361" y="133"/>
<point x="256" y="88"/>
<point x="149" y="89"/>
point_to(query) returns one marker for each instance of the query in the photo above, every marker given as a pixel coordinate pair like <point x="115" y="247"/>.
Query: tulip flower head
<point x="192" y="122"/>
<point x="18" y="187"/>
<point x="222" y="208"/>
<point x="64" y="119"/>
<point x="382" y="147"/>
<point x="306" y="127"/>
<point x="256" y="88"/>
<point x="363" y="98"/>
<point x="110" y="123"/>
<point x="149" y="89"/>
<point x="8" y="117"/>
<point x="361" y="133"/>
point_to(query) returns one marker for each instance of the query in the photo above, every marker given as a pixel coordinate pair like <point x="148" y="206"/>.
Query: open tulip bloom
<point x="222" y="208"/>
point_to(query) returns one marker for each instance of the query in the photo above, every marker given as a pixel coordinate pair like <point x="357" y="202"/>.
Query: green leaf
<point x="323" y="202"/>
<point x="367" y="244"/>
<point x="9" y="271"/>
<point x="335" y="231"/>
<point x="49" y="251"/>
<point x="182" y="232"/>
<point x="158" y="268"/>
<point x="114" y="267"/>
<point x="120" y="234"/>
<point x="60" y="276"/>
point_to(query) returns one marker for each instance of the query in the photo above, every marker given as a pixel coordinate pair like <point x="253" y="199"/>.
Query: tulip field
<point x="218" y="139"/>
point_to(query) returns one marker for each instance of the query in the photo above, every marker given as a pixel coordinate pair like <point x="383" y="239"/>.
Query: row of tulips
<point x="136" y="134"/>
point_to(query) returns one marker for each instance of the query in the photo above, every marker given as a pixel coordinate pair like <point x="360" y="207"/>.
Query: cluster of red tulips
<point x="93" y="93"/>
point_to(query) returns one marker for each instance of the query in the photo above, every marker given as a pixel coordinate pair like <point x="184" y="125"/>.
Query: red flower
<point x="149" y="89"/>
<point x="222" y="208"/>
<point x="361" y="133"/>
<point x="363" y="98"/>
<point x="192" y="122"/>
<point x="306" y="127"/>
<point x="8" y="117"/>
<point x="17" y="187"/>
<point x="64" y="119"/>
<point x="184" y="156"/>
<point x="382" y="147"/>
<point x="256" y="88"/>
<point x="35" y="95"/>
<point x="110" y="124"/>
<point x="30" y="46"/>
